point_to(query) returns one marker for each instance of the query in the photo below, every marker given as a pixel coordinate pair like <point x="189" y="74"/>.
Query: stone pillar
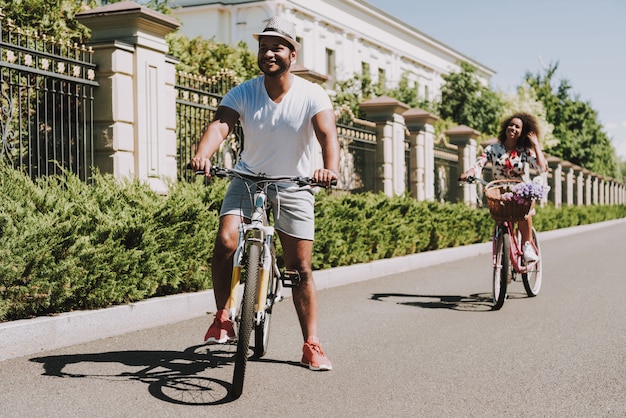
<point x="595" y="191"/>
<point x="588" y="187"/>
<point x="613" y="192"/>
<point x="580" y="183"/>
<point x="422" y="136"/>
<point x="387" y="112"/>
<point x="556" y="187"/>
<point x="601" y="190"/>
<point x="135" y="105"/>
<point x="569" y="182"/>
<point x="464" y="138"/>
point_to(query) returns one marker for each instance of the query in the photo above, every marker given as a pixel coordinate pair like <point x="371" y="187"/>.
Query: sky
<point x="586" y="37"/>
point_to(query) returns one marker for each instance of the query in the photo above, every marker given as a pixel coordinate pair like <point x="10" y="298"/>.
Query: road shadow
<point x="477" y="302"/>
<point x="171" y="376"/>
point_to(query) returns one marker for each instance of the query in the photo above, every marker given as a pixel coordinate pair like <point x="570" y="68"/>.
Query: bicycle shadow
<point x="477" y="302"/>
<point x="172" y="376"/>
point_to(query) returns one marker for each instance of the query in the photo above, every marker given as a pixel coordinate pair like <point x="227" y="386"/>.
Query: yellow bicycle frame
<point x="258" y="234"/>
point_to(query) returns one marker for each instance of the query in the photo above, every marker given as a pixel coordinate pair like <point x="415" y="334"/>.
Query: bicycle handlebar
<point x="229" y="172"/>
<point x="474" y="179"/>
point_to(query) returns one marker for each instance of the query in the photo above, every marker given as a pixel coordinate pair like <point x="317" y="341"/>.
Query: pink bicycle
<point x="508" y="257"/>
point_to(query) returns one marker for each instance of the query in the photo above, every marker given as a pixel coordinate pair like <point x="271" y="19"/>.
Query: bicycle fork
<point x="494" y="250"/>
<point x="264" y="276"/>
<point x="258" y="236"/>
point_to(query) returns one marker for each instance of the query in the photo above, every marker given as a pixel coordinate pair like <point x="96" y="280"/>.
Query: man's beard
<point x="282" y="65"/>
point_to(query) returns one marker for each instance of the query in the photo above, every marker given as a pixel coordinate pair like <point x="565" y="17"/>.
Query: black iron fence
<point x="358" y="157"/>
<point x="46" y="102"/>
<point x="196" y="103"/>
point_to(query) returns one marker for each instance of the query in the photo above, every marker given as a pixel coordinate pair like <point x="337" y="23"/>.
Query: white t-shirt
<point x="279" y="138"/>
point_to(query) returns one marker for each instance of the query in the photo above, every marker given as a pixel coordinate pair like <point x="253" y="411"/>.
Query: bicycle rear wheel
<point x="262" y="329"/>
<point x="501" y="267"/>
<point x="532" y="277"/>
<point x="246" y="319"/>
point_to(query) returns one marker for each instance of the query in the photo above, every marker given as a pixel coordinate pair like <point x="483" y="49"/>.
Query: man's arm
<point x="222" y="124"/>
<point x="326" y="132"/>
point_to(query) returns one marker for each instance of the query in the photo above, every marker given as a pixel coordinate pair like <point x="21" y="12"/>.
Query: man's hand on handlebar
<point x="201" y="164"/>
<point x="325" y="176"/>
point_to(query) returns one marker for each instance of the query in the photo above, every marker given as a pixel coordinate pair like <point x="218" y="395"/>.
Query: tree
<point x="582" y="140"/>
<point x="355" y="90"/>
<point x="466" y="101"/>
<point x="409" y="95"/>
<point x="207" y="57"/>
<point x="54" y="18"/>
<point x="360" y="87"/>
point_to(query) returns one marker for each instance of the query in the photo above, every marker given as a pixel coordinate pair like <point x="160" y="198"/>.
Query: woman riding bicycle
<point x="517" y="147"/>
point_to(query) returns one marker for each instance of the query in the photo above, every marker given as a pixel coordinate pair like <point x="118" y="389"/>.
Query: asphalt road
<point x="421" y="343"/>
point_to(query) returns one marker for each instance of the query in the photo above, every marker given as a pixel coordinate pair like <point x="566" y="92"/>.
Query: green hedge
<point x="365" y="227"/>
<point x="66" y="246"/>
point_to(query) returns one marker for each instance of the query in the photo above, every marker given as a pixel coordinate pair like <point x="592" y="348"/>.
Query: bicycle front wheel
<point x="532" y="277"/>
<point x="246" y="319"/>
<point x="501" y="267"/>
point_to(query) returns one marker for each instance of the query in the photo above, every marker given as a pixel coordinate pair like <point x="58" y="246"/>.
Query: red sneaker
<point x="314" y="357"/>
<point x="221" y="330"/>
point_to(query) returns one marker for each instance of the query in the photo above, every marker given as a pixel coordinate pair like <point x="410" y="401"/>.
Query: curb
<point x="28" y="336"/>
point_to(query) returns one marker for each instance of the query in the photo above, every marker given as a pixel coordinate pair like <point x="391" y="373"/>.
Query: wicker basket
<point x="505" y="210"/>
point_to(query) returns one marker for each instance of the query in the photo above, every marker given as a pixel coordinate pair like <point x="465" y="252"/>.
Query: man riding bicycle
<point x="282" y="115"/>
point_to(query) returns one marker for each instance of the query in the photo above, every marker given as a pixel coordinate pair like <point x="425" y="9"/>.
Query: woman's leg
<point x="525" y="228"/>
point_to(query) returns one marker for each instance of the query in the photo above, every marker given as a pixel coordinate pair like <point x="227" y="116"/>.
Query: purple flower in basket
<point x="525" y="192"/>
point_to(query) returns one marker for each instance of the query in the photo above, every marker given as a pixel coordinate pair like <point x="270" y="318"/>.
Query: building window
<point x="365" y="69"/>
<point x="301" y="42"/>
<point x="382" y="79"/>
<point x="331" y="68"/>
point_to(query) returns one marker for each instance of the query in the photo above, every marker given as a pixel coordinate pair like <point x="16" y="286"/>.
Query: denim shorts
<point x="292" y="206"/>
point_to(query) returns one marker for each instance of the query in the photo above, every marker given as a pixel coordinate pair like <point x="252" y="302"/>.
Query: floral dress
<point x="505" y="165"/>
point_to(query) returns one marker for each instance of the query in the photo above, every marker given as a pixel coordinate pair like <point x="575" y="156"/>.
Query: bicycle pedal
<point x="290" y="278"/>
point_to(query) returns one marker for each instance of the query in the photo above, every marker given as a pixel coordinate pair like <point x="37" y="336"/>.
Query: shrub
<point x="65" y="245"/>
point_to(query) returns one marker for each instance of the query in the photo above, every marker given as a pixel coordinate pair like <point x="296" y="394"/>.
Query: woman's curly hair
<point x="529" y="124"/>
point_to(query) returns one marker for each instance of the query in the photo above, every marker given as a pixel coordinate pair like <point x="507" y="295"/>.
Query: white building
<point x="339" y="38"/>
